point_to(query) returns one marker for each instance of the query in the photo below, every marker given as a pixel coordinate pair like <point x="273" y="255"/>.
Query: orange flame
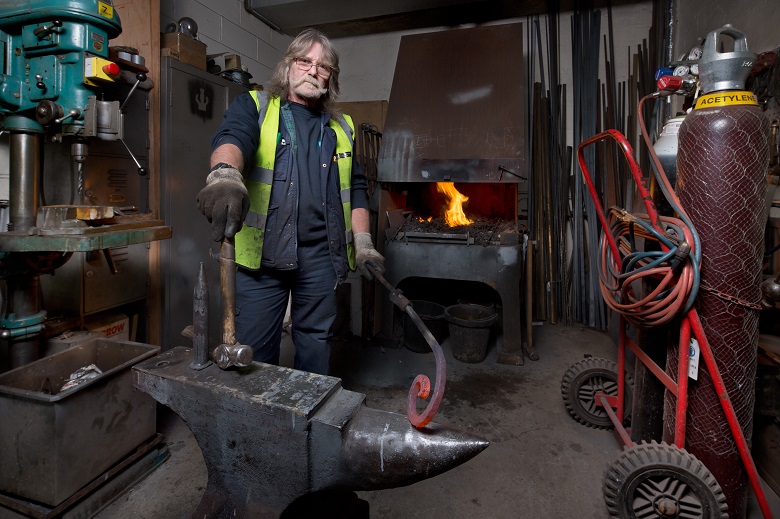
<point x="454" y="215"/>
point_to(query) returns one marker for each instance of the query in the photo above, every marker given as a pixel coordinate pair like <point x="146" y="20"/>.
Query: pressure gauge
<point x="694" y="54"/>
<point x="681" y="70"/>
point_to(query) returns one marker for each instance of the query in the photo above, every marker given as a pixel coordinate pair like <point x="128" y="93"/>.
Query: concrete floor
<point x="540" y="463"/>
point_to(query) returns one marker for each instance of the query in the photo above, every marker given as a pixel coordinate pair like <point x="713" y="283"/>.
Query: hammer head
<point x="226" y="355"/>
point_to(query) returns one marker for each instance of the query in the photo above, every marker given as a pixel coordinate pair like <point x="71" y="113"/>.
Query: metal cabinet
<point x="193" y="104"/>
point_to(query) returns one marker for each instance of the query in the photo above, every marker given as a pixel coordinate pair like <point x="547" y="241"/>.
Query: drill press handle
<point x="139" y="78"/>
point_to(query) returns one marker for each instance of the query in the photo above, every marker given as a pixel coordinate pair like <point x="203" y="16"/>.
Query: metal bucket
<point x="432" y="315"/>
<point x="469" y="327"/>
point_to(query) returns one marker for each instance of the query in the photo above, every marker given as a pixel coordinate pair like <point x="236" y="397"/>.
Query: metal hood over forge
<point x="457" y="108"/>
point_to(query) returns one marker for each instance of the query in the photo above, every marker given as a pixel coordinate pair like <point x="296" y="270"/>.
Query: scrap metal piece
<point x="59" y="216"/>
<point x="432" y="237"/>
<point x="273" y="434"/>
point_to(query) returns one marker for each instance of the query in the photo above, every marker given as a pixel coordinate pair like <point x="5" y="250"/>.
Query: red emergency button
<point x="112" y="69"/>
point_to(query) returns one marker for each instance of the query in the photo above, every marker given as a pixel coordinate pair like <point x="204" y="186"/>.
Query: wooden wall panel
<point x="141" y="30"/>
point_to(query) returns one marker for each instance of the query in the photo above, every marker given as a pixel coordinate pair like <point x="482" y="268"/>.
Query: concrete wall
<point x="758" y="19"/>
<point x="225" y="26"/>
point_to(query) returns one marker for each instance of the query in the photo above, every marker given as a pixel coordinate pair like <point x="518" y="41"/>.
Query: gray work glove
<point x="366" y="253"/>
<point x="224" y="201"/>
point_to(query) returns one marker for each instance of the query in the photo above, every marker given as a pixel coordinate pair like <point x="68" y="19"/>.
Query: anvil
<point x="270" y="435"/>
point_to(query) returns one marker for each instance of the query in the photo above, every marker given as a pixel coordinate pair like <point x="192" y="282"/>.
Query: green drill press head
<point x="47" y="45"/>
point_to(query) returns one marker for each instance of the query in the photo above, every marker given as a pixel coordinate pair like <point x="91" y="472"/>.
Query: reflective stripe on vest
<point x="249" y="241"/>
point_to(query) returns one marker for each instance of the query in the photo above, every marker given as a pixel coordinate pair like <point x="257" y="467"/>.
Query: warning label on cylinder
<point x="717" y="99"/>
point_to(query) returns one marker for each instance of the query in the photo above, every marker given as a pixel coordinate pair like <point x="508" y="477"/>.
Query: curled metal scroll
<point x="421" y="386"/>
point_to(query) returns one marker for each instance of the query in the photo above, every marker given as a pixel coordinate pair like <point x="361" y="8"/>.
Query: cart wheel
<point x="652" y="480"/>
<point x="583" y="381"/>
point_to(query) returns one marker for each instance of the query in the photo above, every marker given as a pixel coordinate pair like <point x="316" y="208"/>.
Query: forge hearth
<point x="483" y="231"/>
<point x="447" y="129"/>
<point x="431" y="260"/>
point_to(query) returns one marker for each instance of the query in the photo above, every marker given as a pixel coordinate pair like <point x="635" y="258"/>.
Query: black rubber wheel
<point x="583" y="381"/>
<point x="658" y="480"/>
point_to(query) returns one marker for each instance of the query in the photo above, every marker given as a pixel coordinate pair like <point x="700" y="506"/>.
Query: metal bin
<point x="52" y="442"/>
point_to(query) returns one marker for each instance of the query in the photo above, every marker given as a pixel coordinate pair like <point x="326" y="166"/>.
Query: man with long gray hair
<point x="284" y="183"/>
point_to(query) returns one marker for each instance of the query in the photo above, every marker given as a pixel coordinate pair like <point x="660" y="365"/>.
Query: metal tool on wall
<point x="371" y="139"/>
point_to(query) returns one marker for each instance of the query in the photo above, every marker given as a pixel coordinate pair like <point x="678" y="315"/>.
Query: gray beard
<point x="307" y="94"/>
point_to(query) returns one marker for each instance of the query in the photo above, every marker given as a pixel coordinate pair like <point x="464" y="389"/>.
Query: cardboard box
<point x="68" y="340"/>
<point x="109" y="326"/>
<point x="185" y="49"/>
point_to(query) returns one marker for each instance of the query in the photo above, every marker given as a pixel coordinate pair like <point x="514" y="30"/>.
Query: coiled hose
<point x="674" y="268"/>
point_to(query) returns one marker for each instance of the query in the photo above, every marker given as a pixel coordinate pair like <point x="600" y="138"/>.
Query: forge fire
<point x="443" y="209"/>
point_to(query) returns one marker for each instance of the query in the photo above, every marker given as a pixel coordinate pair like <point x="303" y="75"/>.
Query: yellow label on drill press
<point x="106" y="10"/>
<point x="718" y="99"/>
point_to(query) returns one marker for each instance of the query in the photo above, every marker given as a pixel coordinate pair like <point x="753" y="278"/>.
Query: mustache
<point x="308" y="79"/>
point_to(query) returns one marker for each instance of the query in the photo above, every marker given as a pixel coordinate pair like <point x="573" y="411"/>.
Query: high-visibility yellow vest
<point x="249" y="240"/>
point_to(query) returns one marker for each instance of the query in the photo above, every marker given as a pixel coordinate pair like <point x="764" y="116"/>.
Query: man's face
<point x="308" y="79"/>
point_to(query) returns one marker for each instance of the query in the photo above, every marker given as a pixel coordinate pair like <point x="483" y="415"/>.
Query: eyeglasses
<point x="305" y="65"/>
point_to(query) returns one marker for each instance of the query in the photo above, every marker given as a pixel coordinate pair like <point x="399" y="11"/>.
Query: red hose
<point x="672" y="285"/>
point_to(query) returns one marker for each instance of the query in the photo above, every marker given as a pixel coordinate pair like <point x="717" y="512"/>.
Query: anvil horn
<point x="270" y="435"/>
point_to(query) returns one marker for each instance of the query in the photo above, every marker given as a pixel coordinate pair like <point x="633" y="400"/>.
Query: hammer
<point x="230" y="352"/>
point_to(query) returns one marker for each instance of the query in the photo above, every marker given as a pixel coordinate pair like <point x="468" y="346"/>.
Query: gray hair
<point x="280" y="81"/>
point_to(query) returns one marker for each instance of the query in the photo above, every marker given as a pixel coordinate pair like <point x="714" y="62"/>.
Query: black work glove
<point x="224" y="201"/>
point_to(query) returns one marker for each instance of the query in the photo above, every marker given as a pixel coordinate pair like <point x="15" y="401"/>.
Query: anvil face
<point x="271" y="434"/>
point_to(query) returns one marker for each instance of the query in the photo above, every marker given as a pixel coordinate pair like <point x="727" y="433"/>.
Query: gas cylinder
<point x="722" y="165"/>
<point x="665" y="148"/>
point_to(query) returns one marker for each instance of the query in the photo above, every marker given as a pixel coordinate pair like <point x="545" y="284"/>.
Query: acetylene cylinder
<point x="721" y="183"/>
<point x="666" y="148"/>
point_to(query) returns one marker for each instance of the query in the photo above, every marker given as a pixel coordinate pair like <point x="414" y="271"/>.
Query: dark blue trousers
<point x="261" y="302"/>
